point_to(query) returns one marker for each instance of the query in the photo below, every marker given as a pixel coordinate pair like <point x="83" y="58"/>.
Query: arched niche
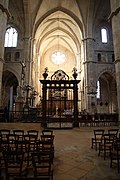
<point x="107" y="102"/>
<point x="9" y="88"/>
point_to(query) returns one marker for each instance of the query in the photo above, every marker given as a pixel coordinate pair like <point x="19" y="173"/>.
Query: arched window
<point x="104" y="35"/>
<point x="98" y="90"/>
<point x="11" y="36"/>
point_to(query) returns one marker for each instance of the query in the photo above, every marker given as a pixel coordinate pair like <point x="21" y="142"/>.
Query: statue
<point x="23" y="71"/>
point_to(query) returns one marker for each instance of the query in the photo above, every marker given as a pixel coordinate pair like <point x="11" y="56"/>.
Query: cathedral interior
<point x="59" y="67"/>
<point x="66" y="40"/>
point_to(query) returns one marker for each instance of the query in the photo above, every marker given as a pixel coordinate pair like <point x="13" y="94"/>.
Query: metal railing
<point x="83" y="119"/>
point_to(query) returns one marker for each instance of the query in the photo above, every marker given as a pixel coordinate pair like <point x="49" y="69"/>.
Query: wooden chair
<point x="11" y="141"/>
<point x="4" y="131"/>
<point x="97" y="138"/>
<point x="47" y="132"/>
<point x="113" y="131"/>
<point x="33" y="132"/>
<point x="42" y="165"/>
<point x="48" y="139"/>
<point x="106" y="144"/>
<point x="30" y="146"/>
<point x="14" y="164"/>
<point x="45" y="146"/>
<point x="115" y="154"/>
<point x="3" y="146"/>
<point x="4" y="138"/>
<point x="19" y="133"/>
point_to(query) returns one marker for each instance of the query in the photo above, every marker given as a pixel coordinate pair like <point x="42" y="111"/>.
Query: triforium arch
<point x="59" y="98"/>
<point x="107" y="98"/>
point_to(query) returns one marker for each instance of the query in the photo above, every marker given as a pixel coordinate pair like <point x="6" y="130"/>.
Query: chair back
<point x="98" y="133"/>
<point x="42" y="165"/>
<point x="33" y="132"/>
<point x="47" y="132"/>
<point x="13" y="162"/>
<point x="113" y="131"/>
<point x="19" y="133"/>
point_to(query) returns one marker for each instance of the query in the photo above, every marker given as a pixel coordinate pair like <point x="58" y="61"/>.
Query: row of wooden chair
<point x="21" y="151"/>
<point x="98" y="135"/>
<point x="108" y="144"/>
<point x="23" y="132"/>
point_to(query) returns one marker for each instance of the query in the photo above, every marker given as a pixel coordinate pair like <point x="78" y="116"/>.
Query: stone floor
<point x="74" y="158"/>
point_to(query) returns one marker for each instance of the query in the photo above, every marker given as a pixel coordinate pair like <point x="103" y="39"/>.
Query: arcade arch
<point x="9" y="89"/>
<point x="107" y="103"/>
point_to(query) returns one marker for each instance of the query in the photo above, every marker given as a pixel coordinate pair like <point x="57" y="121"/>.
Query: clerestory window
<point x="11" y="37"/>
<point x="98" y="89"/>
<point x="104" y="35"/>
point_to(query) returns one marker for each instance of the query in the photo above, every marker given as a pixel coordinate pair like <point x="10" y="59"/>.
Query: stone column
<point x="27" y="57"/>
<point x="90" y="74"/>
<point x="75" y="93"/>
<point x="44" y="97"/>
<point x="115" y="18"/>
<point x="4" y="14"/>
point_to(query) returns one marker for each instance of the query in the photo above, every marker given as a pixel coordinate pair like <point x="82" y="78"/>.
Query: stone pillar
<point x="44" y="96"/>
<point x="115" y="18"/>
<point x="90" y="74"/>
<point x="78" y="65"/>
<point x="27" y="57"/>
<point x="4" y="14"/>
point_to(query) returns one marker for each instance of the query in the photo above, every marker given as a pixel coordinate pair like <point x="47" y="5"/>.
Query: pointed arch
<point x="11" y="37"/>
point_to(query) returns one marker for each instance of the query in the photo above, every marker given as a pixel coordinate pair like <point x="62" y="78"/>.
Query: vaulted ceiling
<point x="63" y="22"/>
